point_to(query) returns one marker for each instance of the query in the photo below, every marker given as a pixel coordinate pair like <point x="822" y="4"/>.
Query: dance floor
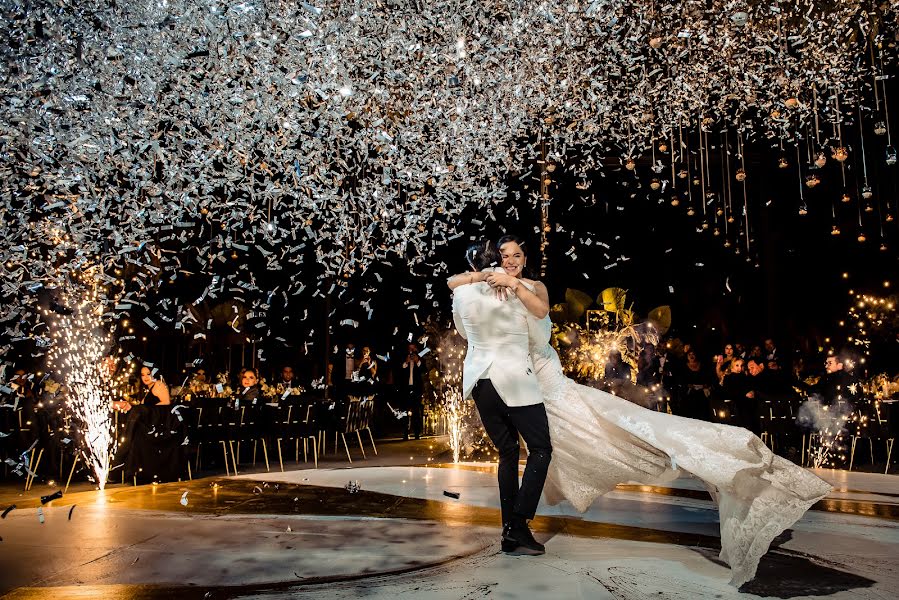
<point x="302" y="533"/>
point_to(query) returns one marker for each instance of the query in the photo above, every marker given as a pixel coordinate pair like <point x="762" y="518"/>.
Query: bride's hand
<point x="504" y="280"/>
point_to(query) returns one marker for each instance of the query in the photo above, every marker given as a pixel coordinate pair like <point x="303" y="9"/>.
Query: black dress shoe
<point x="519" y="540"/>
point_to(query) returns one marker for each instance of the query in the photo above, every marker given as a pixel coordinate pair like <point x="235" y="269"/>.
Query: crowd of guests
<point x="743" y="385"/>
<point x="746" y="386"/>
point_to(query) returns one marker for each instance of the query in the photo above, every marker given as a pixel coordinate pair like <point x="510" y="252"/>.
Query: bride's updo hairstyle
<point x="481" y="255"/>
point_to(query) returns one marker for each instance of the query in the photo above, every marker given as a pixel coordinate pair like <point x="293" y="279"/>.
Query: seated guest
<point x="249" y="386"/>
<point x="367" y="366"/>
<point x="756" y="352"/>
<point x="771" y="353"/>
<point x="649" y="366"/>
<point x="696" y="382"/>
<point x="734" y="378"/>
<point x="151" y="447"/>
<point x="759" y="389"/>
<point x="838" y="384"/>
<point x="199" y="384"/>
<point x="152" y="391"/>
<point x="734" y="387"/>
<point x="722" y="362"/>
<point x="288" y="382"/>
<point x="155" y="391"/>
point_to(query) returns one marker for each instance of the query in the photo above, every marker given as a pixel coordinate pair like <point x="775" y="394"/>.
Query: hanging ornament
<point x="803" y="210"/>
<point x="740" y="175"/>
<point x="880" y="128"/>
<point x="663" y="147"/>
<point x="682" y="174"/>
<point x="812" y="180"/>
<point x="630" y="165"/>
<point x="655" y="42"/>
<point x="869" y="208"/>
<point x="883" y="247"/>
<point x="727" y="243"/>
<point x="889" y="218"/>
<point x="861" y="238"/>
<point x="696" y="181"/>
<point x="782" y="162"/>
<point x="840" y="153"/>
<point x="731" y="219"/>
<point x="550" y="167"/>
<point x="791" y="102"/>
<point x="820" y="160"/>
<point x="705" y="225"/>
<point x="866" y="192"/>
<point x="891" y="155"/>
<point x="716" y="232"/>
<point x="846" y="198"/>
<point x="675" y="201"/>
<point x="835" y="230"/>
<point x="719" y="212"/>
<point x="655" y="184"/>
<point x="690" y="211"/>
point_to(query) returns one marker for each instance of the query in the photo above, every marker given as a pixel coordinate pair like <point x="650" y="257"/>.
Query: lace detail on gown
<point x="600" y="440"/>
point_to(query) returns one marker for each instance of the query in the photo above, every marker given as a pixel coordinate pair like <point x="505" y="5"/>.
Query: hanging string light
<point x="866" y="191"/>
<point x="803" y="209"/>
<point x="703" y="163"/>
<point x="674" y="199"/>
<point x="820" y="157"/>
<point x="839" y="152"/>
<point x="890" y="151"/>
<point x="690" y="209"/>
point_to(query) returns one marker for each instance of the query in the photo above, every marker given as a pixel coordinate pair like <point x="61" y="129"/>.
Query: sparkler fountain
<point x="455" y="411"/>
<point x="81" y="345"/>
<point x="462" y="424"/>
<point x="450" y="354"/>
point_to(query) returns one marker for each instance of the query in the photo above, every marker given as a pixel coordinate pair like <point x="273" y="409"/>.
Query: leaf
<point x="578" y="303"/>
<point x="660" y="317"/>
<point x="612" y="299"/>
<point x="558" y="313"/>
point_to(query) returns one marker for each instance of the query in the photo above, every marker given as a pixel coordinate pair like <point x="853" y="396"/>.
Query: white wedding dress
<point x="600" y="440"/>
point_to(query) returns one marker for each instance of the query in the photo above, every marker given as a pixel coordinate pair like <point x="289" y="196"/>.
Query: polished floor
<point x="404" y="534"/>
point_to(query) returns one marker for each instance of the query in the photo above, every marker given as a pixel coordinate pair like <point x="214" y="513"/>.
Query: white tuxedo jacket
<point x="498" y="333"/>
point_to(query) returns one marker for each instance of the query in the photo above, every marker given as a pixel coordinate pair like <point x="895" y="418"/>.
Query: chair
<point x="207" y="427"/>
<point x="296" y="421"/>
<point x="871" y="425"/>
<point x="358" y="418"/>
<point x="254" y="418"/>
<point x="229" y="423"/>
<point x="186" y="417"/>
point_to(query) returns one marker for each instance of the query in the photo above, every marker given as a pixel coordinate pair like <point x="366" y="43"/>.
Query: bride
<point x="600" y="440"/>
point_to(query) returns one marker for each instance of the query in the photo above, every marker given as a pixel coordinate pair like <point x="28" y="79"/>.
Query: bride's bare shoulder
<point x="533" y="283"/>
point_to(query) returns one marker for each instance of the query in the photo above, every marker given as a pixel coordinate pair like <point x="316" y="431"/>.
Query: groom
<point x="499" y="375"/>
